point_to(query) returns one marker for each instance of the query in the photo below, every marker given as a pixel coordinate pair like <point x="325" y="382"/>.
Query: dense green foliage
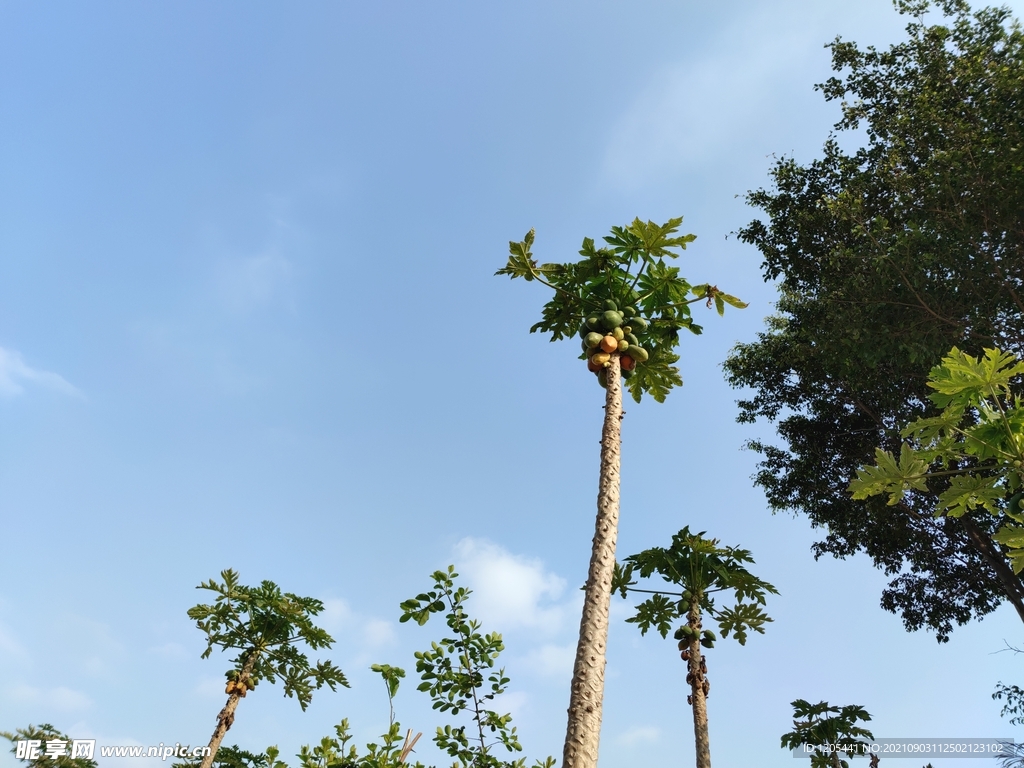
<point x="885" y="258"/>
<point x="700" y="568"/>
<point x="974" y="449"/>
<point x="820" y="725"/>
<point x="629" y="270"/>
<point x="266" y="626"/>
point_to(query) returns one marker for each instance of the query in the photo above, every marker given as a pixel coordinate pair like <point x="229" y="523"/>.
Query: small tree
<point x="264" y="626"/>
<point x="453" y="673"/>
<point x="701" y="569"/>
<point x="628" y="307"/>
<point x="828" y="728"/>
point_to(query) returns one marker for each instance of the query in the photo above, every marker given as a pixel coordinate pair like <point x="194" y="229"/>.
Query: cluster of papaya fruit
<point x="685" y="633"/>
<point x="611" y="332"/>
<point x="237" y="686"/>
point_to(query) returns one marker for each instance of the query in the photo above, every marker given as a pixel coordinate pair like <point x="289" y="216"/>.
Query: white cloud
<point x="552" y="661"/>
<point x="693" y="111"/>
<point x="378" y="633"/>
<point x="60" y="698"/>
<point x="510" y="590"/>
<point x="14" y="373"/>
<point x="639" y="734"/>
<point x="170" y="651"/>
<point x="255" y="281"/>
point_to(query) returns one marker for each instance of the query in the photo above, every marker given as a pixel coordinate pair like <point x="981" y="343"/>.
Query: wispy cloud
<point x="640" y="734"/>
<point x="60" y="698"/>
<point x="249" y="283"/>
<point x="15" y="373"/>
<point x="511" y="591"/>
<point x="690" y="112"/>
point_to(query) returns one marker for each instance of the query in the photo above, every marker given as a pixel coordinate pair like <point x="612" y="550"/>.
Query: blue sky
<point x="248" y="320"/>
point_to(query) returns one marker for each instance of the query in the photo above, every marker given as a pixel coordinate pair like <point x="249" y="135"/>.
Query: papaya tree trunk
<point x="697" y="679"/>
<point x="582" y="737"/>
<point x="227" y="715"/>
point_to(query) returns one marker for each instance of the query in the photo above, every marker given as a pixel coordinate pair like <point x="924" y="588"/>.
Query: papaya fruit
<point x="609" y="344"/>
<point x="628" y="312"/>
<point x="611" y="319"/>
<point x="618" y="334"/>
<point x="709" y="635"/>
<point x="592" y="367"/>
<point x="594" y="323"/>
<point x="622" y="346"/>
<point x="638" y="324"/>
<point x="678" y="634"/>
<point x="602" y="378"/>
<point x="600" y="358"/>
<point x="1013" y="505"/>
<point x="707" y="643"/>
<point x="628" y="375"/>
<point x="230" y="687"/>
<point x="593" y="339"/>
<point x="609" y="304"/>
<point x="632" y="339"/>
<point x="627" y="363"/>
<point x="638" y="353"/>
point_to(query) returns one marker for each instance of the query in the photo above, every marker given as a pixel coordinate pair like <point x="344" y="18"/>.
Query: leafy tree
<point x="971" y="454"/>
<point x="38" y="736"/>
<point x="827" y="726"/>
<point x="265" y="627"/>
<point x="885" y="258"/>
<point x="702" y="569"/>
<point x="623" y="293"/>
<point x="458" y="673"/>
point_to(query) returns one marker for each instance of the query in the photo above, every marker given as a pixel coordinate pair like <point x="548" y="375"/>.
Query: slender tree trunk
<point x="227" y="715"/>
<point x="699" y="687"/>
<point x="583" y="734"/>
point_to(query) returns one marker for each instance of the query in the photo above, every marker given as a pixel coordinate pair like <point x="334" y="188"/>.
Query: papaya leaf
<point x="890" y="476"/>
<point x="970" y="492"/>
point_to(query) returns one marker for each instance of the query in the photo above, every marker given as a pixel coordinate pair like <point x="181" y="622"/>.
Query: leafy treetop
<point x="265" y="626"/>
<point x="631" y="270"/>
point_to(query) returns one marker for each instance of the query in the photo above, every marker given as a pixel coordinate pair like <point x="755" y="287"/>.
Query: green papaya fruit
<point x="611" y="319"/>
<point x="609" y="304"/>
<point x="627" y="375"/>
<point x="617" y="334"/>
<point x="637" y="353"/>
<point x="679" y="634"/>
<point x="683" y="645"/>
<point x="594" y="323"/>
<point x="707" y="643"/>
<point x="1014" y="504"/>
<point x="628" y="312"/>
<point x="638" y="324"/>
<point x="602" y="378"/>
<point x="623" y="345"/>
<point x="593" y="339"/>
<point x="709" y="635"/>
<point x="633" y="340"/>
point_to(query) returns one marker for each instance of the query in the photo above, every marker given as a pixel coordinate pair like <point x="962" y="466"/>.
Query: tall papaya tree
<point x="266" y="627"/>
<point x="628" y="306"/>
<point x="702" y="571"/>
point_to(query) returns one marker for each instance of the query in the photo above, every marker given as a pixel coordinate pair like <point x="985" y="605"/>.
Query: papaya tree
<point x="823" y="730"/>
<point x="970" y="457"/>
<point x="702" y="571"/>
<point x="628" y="306"/>
<point x="265" y="627"/>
